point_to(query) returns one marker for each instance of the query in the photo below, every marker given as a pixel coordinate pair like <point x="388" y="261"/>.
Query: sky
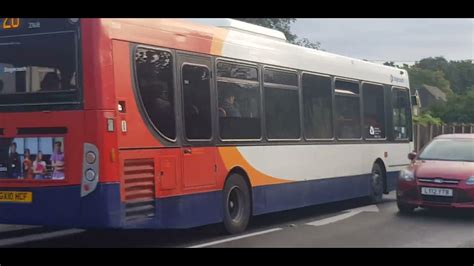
<point x="399" y="40"/>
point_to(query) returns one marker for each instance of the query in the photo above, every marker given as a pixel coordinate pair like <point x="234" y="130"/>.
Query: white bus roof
<point x="249" y="42"/>
<point x="232" y="24"/>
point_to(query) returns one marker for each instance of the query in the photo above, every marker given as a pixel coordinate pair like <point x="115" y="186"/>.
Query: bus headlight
<point x="407" y="175"/>
<point x="90" y="175"/>
<point x="91" y="157"/>
<point x="470" y="181"/>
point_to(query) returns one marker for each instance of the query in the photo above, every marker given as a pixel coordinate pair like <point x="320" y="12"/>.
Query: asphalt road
<point x="354" y="223"/>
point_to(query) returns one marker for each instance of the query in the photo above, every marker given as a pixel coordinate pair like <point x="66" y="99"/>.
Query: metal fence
<point x="425" y="133"/>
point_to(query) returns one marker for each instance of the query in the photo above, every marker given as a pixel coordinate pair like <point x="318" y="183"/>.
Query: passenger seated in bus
<point x="162" y="102"/>
<point x="229" y="107"/>
<point x="163" y="107"/>
<point x="51" y="82"/>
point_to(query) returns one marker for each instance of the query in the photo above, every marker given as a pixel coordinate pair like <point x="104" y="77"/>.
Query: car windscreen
<point x="449" y="150"/>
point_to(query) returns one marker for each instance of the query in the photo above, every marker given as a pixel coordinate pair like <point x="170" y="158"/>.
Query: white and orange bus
<point x="176" y="123"/>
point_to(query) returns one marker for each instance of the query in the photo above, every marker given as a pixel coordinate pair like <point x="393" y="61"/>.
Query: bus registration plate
<point x="16" y="196"/>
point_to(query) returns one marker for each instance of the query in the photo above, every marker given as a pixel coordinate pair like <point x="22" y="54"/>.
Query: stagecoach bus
<point x="177" y="123"/>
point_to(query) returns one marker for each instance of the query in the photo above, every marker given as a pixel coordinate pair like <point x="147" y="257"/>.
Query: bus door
<point x="198" y="154"/>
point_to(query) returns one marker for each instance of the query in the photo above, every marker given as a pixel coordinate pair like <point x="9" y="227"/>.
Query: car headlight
<point x="407" y="175"/>
<point x="470" y="180"/>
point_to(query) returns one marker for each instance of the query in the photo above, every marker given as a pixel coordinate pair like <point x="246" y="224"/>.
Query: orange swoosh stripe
<point x="232" y="158"/>
<point x="218" y="41"/>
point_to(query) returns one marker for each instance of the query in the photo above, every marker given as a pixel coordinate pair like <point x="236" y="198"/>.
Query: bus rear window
<point x="40" y="64"/>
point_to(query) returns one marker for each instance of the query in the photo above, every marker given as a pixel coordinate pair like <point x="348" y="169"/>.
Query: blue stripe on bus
<point x="206" y="208"/>
<point x="63" y="206"/>
<point x="300" y="194"/>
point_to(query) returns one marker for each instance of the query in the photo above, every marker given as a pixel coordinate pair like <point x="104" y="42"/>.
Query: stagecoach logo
<point x="13" y="69"/>
<point x="371" y="130"/>
<point x="396" y="79"/>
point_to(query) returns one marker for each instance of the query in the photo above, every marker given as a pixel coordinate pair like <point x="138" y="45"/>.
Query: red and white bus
<point x="169" y="123"/>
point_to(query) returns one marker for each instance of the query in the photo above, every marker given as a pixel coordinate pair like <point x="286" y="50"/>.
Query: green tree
<point x="427" y="119"/>
<point x="305" y="42"/>
<point x="419" y="76"/>
<point x="457" y="109"/>
<point x="283" y="25"/>
<point x="391" y="63"/>
<point x="460" y="74"/>
<point x="433" y="63"/>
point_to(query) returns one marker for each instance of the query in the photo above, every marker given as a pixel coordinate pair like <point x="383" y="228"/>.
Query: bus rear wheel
<point x="237" y="205"/>
<point x="377" y="183"/>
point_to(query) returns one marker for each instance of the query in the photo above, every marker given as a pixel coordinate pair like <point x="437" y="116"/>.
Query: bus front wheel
<point x="237" y="205"/>
<point x="377" y="183"/>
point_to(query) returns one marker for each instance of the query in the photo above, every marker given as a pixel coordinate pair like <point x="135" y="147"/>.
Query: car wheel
<point x="405" y="208"/>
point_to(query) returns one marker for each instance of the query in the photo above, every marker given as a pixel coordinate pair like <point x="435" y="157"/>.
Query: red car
<point x="442" y="175"/>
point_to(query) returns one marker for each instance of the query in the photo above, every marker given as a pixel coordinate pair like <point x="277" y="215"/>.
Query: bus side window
<point x="374" y="111"/>
<point x="401" y="113"/>
<point x="197" y="102"/>
<point x="317" y="107"/>
<point x="347" y="110"/>
<point x="282" y="105"/>
<point x="238" y="101"/>
<point x="156" y="88"/>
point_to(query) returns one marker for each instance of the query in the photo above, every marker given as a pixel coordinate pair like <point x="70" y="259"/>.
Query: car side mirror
<point x="412" y="156"/>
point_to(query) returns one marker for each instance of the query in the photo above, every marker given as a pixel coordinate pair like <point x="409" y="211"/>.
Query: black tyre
<point x="405" y="208"/>
<point x="237" y="204"/>
<point x="377" y="183"/>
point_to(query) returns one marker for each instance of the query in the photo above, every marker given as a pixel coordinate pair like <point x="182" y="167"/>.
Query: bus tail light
<point x="90" y="169"/>
<point x="91" y="157"/>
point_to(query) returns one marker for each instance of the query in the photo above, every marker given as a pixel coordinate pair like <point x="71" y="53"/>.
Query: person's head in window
<point x="230" y="98"/>
<point x="39" y="156"/>
<point x="229" y="94"/>
<point x="13" y="148"/>
<point x="163" y="91"/>
<point x="230" y="106"/>
<point x="27" y="154"/>
<point x="57" y="147"/>
<point x="51" y="82"/>
<point x="1" y="86"/>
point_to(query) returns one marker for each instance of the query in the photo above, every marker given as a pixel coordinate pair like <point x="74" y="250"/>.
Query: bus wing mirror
<point x="415" y="100"/>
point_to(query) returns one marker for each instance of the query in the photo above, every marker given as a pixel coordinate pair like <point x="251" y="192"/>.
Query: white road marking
<point x="35" y="237"/>
<point x="14" y="227"/>
<point x="235" y="238"/>
<point x="352" y="212"/>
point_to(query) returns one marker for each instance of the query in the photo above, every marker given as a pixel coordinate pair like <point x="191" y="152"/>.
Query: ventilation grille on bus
<point x="139" y="187"/>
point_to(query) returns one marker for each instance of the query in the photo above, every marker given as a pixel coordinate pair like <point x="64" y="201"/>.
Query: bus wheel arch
<point x="237" y="201"/>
